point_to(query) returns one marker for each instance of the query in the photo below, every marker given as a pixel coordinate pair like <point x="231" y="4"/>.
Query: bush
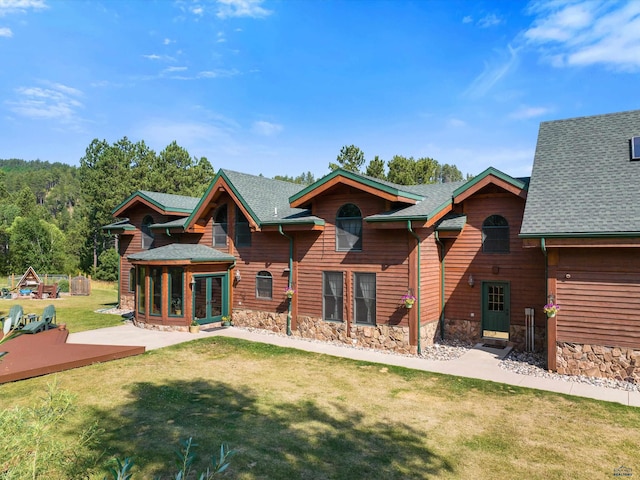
<point x="108" y="266"/>
<point x="63" y="285"/>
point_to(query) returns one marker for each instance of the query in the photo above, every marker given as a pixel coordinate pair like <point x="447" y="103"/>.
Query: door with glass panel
<point x="210" y="298"/>
<point x="495" y="310"/>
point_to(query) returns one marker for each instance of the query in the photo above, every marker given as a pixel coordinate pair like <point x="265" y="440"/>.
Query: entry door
<point x="210" y="298"/>
<point x="495" y="310"/>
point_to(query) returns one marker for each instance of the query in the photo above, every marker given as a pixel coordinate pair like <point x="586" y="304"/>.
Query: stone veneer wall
<point x="617" y="363"/>
<point x="469" y="331"/>
<point x="379" y="337"/>
<point x="127" y="301"/>
<point x="161" y="328"/>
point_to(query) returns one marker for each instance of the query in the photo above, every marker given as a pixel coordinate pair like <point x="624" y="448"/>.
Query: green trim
<point x="309" y="221"/>
<point x="204" y="198"/>
<point x="139" y="193"/>
<point x="489" y="171"/>
<point x="369" y="182"/>
<point x="415" y="235"/>
<point x="581" y="235"/>
<point x="406" y="218"/>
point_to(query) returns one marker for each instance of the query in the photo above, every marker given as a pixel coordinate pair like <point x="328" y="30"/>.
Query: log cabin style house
<point x="366" y="262"/>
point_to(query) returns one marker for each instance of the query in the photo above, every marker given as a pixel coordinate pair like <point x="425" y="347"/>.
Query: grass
<point x="293" y="414"/>
<point x="78" y="312"/>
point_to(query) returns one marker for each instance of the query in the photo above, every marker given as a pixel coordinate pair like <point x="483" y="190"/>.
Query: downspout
<point x="119" y="268"/>
<point x="290" y="274"/>
<point x="543" y="246"/>
<point x="442" y="277"/>
<point x="410" y="230"/>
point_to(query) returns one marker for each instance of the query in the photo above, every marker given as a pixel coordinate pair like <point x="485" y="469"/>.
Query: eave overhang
<point x="220" y="184"/>
<point x="488" y="177"/>
<point x="141" y="197"/>
<point x="345" y="177"/>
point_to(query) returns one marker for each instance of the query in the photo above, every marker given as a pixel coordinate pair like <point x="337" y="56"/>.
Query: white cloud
<point x="490" y="20"/>
<point x="174" y="69"/>
<point x="54" y="102"/>
<point x="197" y="10"/>
<point x="525" y="112"/>
<point x="20" y="6"/>
<point x="492" y="74"/>
<point x="241" y="8"/>
<point x="155" y="56"/>
<point x="168" y="41"/>
<point x="6" y="32"/>
<point x="467" y="19"/>
<point x="218" y="73"/>
<point x="456" y="123"/>
<point x="266" y="129"/>
<point x="587" y="33"/>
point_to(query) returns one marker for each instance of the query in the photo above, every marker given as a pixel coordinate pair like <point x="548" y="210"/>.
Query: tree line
<point x="52" y="214"/>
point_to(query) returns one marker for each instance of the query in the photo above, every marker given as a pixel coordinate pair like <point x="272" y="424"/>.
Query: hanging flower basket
<point x="408" y="300"/>
<point x="289" y="292"/>
<point x="551" y="309"/>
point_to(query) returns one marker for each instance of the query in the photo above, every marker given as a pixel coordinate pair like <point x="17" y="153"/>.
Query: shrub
<point x="63" y="285"/>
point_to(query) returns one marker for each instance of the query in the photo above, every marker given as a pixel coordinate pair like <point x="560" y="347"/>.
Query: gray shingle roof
<point x="172" y="202"/>
<point x="583" y="182"/>
<point x="452" y="221"/>
<point x="268" y="199"/>
<point x="435" y="196"/>
<point x="181" y="251"/>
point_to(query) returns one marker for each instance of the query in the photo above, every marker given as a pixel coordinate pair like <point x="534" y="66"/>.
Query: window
<point x="495" y="235"/>
<point x="142" y="294"/>
<point x="264" y="285"/>
<point x="364" y="285"/>
<point x="349" y="228"/>
<point x="243" y="233"/>
<point x="147" y="234"/>
<point x="132" y="279"/>
<point x="496" y="298"/>
<point x="155" y="291"/>
<point x="176" y="296"/>
<point x="332" y="298"/>
<point x="220" y="227"/>
<point x="635" y="148"/>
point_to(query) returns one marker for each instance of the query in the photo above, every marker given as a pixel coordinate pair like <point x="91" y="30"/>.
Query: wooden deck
<point x="47" y="352"/>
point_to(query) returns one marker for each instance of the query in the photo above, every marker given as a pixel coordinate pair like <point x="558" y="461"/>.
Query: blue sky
<point x="278" y="87"/>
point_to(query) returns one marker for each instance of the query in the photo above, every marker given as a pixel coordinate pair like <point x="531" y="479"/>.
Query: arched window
<point x="264" y="285"/>
<point x="349" y="228"/>
<point x="220" y="227"/>
<point x="147" y="234"/>
<point x="495" y="235"/>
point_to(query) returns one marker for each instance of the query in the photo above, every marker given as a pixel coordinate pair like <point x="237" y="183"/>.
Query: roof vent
<point x="635" y="148"/>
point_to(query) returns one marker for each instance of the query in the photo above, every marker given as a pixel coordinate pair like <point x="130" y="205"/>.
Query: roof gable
<point x="490" y="176"/>
<point x="584" y="182"/>
<point x="164" y="203"/>
<point x="380" y="188"/>
<point x="262" y="200"/>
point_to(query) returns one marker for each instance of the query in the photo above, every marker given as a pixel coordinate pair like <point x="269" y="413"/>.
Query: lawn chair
<point x="13" y="320"/>
<point x="6" y="294"/>
<point x="46" y="321"/>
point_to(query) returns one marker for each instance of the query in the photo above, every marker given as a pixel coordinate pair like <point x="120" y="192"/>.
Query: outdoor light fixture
<point x="471" y="281"/>
<point x="193" y="281"/>
<point x="237" y="276"/>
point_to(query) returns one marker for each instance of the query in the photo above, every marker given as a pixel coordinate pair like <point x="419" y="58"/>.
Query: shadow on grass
<point x="272" y="440"/>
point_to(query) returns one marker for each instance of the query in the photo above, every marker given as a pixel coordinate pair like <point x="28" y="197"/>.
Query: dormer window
<point x="349" y="228"/>
<point x="635" y="148"/>
<point x="147" y="234"/>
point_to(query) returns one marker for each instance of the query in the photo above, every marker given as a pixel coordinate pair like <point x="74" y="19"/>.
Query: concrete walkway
<point x="479" y="362"/>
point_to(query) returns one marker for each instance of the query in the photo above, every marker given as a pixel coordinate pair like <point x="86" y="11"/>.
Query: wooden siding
<point x="598" y="291"/>
<point x="384" y="253"/>
<point x="523" y="269"/>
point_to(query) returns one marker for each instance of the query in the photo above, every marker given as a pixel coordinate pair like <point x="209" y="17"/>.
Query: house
<point x="583" y="213"/>
<point x="351" y="247"/>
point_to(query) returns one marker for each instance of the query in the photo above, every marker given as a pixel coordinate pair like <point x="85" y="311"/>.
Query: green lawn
<point x="78" y="312"/>
<point x="292" y="414"/>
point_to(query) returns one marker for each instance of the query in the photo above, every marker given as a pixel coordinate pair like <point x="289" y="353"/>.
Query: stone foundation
<point x="161" y="328"/>
<point x="463" y="330"/>
<point x="379" y="337"/>
<point x="469" y="331"/>
<point x="517" y="336"/>
<point x="127" y="301"/>
<point x="617" y="363"/>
